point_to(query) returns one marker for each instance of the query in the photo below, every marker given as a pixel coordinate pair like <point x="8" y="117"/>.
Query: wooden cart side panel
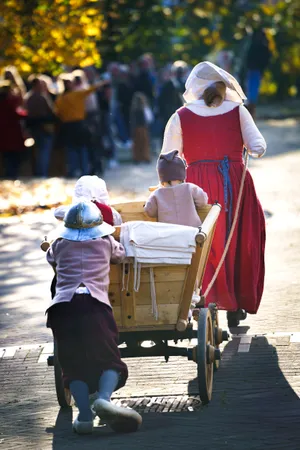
<point x="204" y="257"/>
<point x="128" y="298"/>
<point x="189" y="286"/>
<point x="135" y="310"/>
<point x="166" y="293"/>
<point x="167" y="315"/>
<point x="133" y="211"/>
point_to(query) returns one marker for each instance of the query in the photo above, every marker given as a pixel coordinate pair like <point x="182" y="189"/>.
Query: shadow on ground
<point x="23" y="284"/>
<point x="253" y="407"/>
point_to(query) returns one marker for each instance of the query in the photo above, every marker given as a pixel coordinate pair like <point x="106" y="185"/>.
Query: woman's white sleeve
<point x="253" y="139"/>
<point x="173" y="135"/>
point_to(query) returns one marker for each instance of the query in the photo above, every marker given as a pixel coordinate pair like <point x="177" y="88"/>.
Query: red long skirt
<point x="241" y="279"/>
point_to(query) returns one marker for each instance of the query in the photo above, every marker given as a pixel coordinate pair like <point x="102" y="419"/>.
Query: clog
<point x="81" y="427"/>
<point x="121" y="420"/>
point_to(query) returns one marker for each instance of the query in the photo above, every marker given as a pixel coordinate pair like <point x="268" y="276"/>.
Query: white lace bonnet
<point x="206" y="73"/>
<point x="90" y="187"/>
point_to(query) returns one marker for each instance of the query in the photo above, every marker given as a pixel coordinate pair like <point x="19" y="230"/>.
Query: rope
<point x="238" y="203"/>
<point x="153" y="294"/>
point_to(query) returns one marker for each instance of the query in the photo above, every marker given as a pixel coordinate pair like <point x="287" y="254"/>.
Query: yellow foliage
<point x="62" y="29"/>
<point x="285" y="67"/>
<point x="92" y="12"/>
<point x="271" y="42"/>
<point x="199" y="12"/>
<point x="204" y="31"/>
<point x="224" y="11"/>
<point x="268" y="86"/>
<point x="92" y="31"/>
<point x="208" y="41"/>
<point x="293" y="91"/>
<point x="25" y="67"/>
<point x="267" y="9"/>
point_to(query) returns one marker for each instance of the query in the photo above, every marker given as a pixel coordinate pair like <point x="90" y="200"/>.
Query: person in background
<point x="70" y="109"/>
<point x="140" y="119"/>
<point x="40" y="121"/>
<point x="105" y="98"/>
<point x="225" y="59"/>
<point x="18" y="89"/>
<point x="92" y="121"/>
<point x="124" y="98"/>
<point x="170" y="98"/>
<point x="257" y="60"/>
<point x="11" y="131"/>
<point x="145" y="82"/>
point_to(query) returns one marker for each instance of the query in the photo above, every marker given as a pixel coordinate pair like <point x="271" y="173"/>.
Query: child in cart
<point x="81" y="318"/>
<point x="175" y="201"/>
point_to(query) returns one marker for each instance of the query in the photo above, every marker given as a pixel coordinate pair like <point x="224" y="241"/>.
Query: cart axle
<point x="156" y="350"/>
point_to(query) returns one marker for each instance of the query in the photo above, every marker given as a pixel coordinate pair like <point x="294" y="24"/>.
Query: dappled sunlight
<point x="282" y="136"/>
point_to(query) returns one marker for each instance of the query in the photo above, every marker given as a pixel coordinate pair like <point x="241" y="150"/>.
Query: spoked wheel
<point x="219" y="334"/>
<point x="64" y="396"/>
<point x="205" y="355"/>
<point x="215" y="324"/>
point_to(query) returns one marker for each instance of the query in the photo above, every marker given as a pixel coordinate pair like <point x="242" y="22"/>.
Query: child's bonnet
<point x="92" y="188"/>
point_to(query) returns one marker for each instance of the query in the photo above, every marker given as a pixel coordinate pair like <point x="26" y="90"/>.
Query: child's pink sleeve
<point x="117" y="251"/>
<point x="199" y="196"/>
<point x="50" y="256"/>
<point x="151" y="206"/>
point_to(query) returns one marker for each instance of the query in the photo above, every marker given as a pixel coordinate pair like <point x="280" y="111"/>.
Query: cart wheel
<point x="64" y="396"/>
<point x="215" y="324"/>
<point x="205" y="355"/>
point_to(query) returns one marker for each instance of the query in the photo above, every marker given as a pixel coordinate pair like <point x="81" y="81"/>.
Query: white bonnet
<point x="206" y="73"/>
<point x="90" y="187"/>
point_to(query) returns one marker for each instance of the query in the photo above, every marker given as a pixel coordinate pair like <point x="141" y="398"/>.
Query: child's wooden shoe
<point x="81" y="427"/>
<point x="121" y="420"/>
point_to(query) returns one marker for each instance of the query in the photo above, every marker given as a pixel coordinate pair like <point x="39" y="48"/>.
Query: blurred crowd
<point x="87" y="117"/>
<point x="90" y="116"/>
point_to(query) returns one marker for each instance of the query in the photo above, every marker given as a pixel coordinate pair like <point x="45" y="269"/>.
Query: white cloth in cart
<point x="158" y="240"/>
<point x="157" y="243"/>
<point x="161" y="235"/>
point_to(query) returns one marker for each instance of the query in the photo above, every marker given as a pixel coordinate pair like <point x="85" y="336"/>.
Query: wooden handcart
<point x="174" y="285"/>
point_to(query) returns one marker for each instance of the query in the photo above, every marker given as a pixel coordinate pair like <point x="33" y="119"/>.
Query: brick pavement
<point x="255" y="403"/>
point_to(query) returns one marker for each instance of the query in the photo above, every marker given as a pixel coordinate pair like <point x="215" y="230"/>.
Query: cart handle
<point x="208" y="224"/>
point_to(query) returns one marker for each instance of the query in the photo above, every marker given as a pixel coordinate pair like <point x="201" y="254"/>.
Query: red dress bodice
<point x="211" y="138"/>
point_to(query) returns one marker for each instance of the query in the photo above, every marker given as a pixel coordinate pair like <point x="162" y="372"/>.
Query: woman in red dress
<point x="210" y="131"/>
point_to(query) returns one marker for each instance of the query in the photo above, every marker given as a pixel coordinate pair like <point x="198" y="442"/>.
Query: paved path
<point x="256" y="391"/>
<point x="255" y="403"/>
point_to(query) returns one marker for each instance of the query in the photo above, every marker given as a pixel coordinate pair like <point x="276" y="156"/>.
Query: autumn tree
<point x="43" y="35"/>
<point x="133" y="27"/>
